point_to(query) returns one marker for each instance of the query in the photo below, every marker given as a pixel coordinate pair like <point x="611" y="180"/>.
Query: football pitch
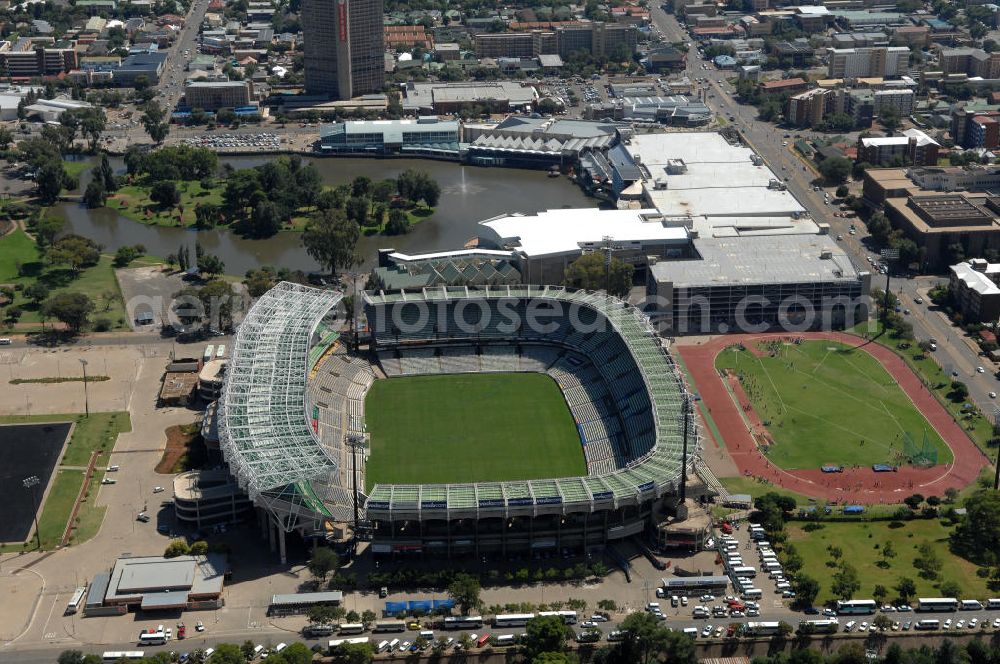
<point x="470" y="428"/>
<point x="825" y="403"/>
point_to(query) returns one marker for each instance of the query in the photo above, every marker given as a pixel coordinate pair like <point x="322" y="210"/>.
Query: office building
<point x="809" y="108"/>
<point x="971" y="61"/>
<point x="343" y="47"/>
<point x="426" y="135"/>
<point x="883" y="61"/>
<point x="213" y="95"/>
<point x="27" y="58"/>
<point x="595" y="38"/>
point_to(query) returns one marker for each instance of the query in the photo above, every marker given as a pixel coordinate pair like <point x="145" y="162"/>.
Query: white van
<point x="505" y="640"/>
<point x="993" y="603"/>
<point x="208" y="652"/>
<point x="382" y="647"/>
<point x="753" y="593"/>
<point x="257" y="651"/>
<point x="971" y="605"/>
<point x="427" y="634"/>
<point x="280" y="647"/>
<point x="4" y="341"/>
<point x="771" y="566"/>
<point x="393" y="645"/>
<point x="691" y="631"/>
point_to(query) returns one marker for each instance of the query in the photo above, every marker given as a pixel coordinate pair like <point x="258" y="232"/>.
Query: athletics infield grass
<point x="825" y="403"/>
<point x="470" y="428"/>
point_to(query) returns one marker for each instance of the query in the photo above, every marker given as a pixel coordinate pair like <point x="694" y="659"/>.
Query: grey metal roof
<point x="307" y="598"/>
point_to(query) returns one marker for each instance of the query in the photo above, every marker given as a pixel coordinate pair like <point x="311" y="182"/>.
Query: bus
<point x="937" y="604"/>
<point x="483" y="640"/>
<point x="762" y="628"/>
<point x="76" y="600"/>
<point x="152" y="639"/>
<point x="390" y="626"/>
<point x="856" y="607"/>
<point x="506" y="640"/>
<point x="512" y="619"/>
<point x="569" y="617"/>
<point x="746" y="572"/>
<point x="343" y="642"/>
<point x="463" y="622"/>
<point x="118" y="655"/>
<point x="351" y="628"/>
<point x="819" y="626"/>
<point x="318" y="630"/>
<point x="927" y="624"/>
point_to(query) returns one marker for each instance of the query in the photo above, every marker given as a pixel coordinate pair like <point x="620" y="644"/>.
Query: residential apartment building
<point x="974" y="290"/>
<point x="901" y="100"/>
<point x="597" y="38"/>
<point x="975" y="129"/>
<point x="213" y="95"/>
<point x="971" y="61"/>
<point x="912" y="147"/>
<point x="884" y="61"/>
<point x="810" y="107"/>
<point x="343" y="47"/>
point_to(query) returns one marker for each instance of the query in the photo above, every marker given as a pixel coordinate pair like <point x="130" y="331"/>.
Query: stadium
<point x="471" y="449"/>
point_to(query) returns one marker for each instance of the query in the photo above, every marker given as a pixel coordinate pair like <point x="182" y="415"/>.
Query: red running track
<point x="854" y="485"/>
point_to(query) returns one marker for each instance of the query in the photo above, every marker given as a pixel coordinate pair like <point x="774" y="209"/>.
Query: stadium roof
<point x="265" y="436"/>
<point x="650" y="475"/>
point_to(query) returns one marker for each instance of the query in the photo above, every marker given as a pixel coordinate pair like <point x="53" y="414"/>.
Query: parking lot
<point x="263" y="140"/>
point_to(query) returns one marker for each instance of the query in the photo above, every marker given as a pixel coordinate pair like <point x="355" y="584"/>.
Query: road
<point x="955" y="350"/>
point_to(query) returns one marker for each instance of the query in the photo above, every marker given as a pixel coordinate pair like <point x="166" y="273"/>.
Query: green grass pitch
<point x="470" y="428"/>
<point x="821" y="399"/>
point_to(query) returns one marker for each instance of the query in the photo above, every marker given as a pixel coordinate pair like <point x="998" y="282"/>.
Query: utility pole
<point x="86" y="397"/>
<point x="32" y="483"/>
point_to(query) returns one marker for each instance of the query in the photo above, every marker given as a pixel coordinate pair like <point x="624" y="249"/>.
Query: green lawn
<point x="132" y="201"/>
<point x="824" y="402"/>
<point x="470" y="428"/>
<point x="748" y="485"/>
<point x="98" y="282"/>
<point x="930" y="372"/>
<point x="858" y="541"/>
<point x="58" y="506"/>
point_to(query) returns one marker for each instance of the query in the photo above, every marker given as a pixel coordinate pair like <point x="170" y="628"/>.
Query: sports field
<point x="470" y="428"/>
<point x="825" y="403"/>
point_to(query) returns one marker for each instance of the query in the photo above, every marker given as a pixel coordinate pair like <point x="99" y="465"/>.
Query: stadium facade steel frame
<point x="264" y="429"/>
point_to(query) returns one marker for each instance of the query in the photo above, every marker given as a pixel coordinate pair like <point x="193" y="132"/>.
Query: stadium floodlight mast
<point x="355" y="440"/>
<point x="32" y="483"/>
<point x="686" y="409"/>
<point x="86" y="396"/>
<point x="996" y="426"/>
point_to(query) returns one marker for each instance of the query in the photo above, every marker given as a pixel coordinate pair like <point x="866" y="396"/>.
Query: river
<point x="469" y="194"/>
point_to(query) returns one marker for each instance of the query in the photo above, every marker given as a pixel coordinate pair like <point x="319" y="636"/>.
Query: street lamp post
<point x="31" y="483"/>
<point x="888" y="255"/>
<point x="86" y="397"/>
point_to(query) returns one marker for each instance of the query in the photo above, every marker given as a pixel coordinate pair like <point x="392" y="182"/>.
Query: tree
<point x="357" y="210"/>
<point x="845" y="582"/>
<point x="199" y="548"/>
<point x="551" y="658"/>
<point x="153" y="121"/>
<point x="889" y="117"/>
<point x="206" y="214"/>
<point x="248" y="650"/>
<point x="320" y="615"/>
<point x="979" y="527"/>
<point x="951" y="589"/>
<point x="323" y="561"/>
<point x="95" y="195"/>
<point x="645" y="640"/>
<point x="47" y="228"/>
<point x="107" y="174"/>
<point x="592" y="272"/>
<point x="211" y="264"/>
<point x="835" y="169"/>
<point x="353" y="653"/>
<point x="544" y="634"/>
<point x="227" y="653"/>
<point x="879" y="593"/>
<point x="6" y="138"/>
<point x="927" y="561"/>
<point x="74" y="250"/>
<point x="70" y="657"/>
<point x="265" y="220"/>
<point x="464" y="589"/>
<point x="879" y="227"/>
<point x="913" y="502"/>
<point x="398" y="223"/>
<point x="177" y="547"/>
<point x="51" y="180"/>
<point x="36" y="292"/>
<point x="906" y="588"/>
<point x="806" y="589"/>
<point x="165" y="193"/>
<point x="368" y="617"/>
<point x="882" y="622"/>
<point x="72" y="309"/>
<point x="330" y="239"/>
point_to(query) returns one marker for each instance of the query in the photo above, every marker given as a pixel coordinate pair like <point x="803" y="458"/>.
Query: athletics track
<point x="853" y="485"/>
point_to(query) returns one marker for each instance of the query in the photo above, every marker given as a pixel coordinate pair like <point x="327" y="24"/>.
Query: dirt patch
<point x="185" y="449"/>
